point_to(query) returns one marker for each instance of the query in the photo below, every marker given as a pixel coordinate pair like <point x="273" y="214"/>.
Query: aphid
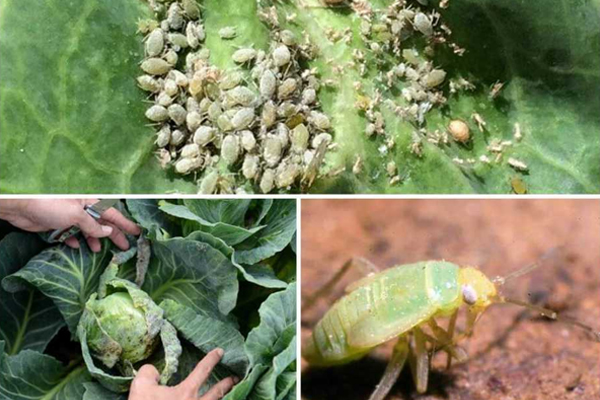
<point x="241" y="95"/>
<point x="170" y="87"/>
<point x="267" y="181"/>
<point x="157" y="113"/>
<point x="299" y="138"/>
<point x="178" y="40"/>
<point x="479" y="121"/>
<point x="191" y="9"/>
<point x="179" y="77"/>
<point x="228" y="32"/>
<point x="193" y="120"/>
<point x="190" y="150"/>
<point x="357" y="166"/>
<point x="287" y="109"/>
<point x="286" y="174"/>
<point x="171" y="57"/>
<point x="224" y="122"/>
<point x="230" y="149"/>
<point x="214" y="111"/>
<point x="250" y="166"/>
<point x="247" y="140"/>
<point x="283" y="134"/>
<point x="403" y="302"/>
<point x="518" y="185"/>
<point x="287" y="88"/>
<point x="191" y="35"/>
<point x="164" y="99"/>
<point x="146" y="25"/>
<point x="495" y="90"/>
<point x="268" y="84"/>
<point x="209" y="183"/>
<point x="434" y="78"/>
<point x="319" y="120"/>
<point x="243" y="118"/>
<point x="243" y="56"/>
<point x="281" y="55"/>
<point x="177" y="137"/>
<point x="312" y="169"/>
<point x="174" y="17"/>
<point x="517" y="164"/>
<point x="163" y="136"/>
<point x="309" y="96"/>
<point x="268" y="115"/>
<point x="391" y="168"/>
<point x="423" y="24"/>
<point x="177" y="113"/>
<point x="156" y="66"/>
<point x="459" y="131"/>
<point x="272" y="150"/>
<point x="204" y="135"/>
<point x="288" y="37"/>
<point x="517" y="134"/>
<point x="148" y="83"/>
<point x="230" y="80"/>
<point x="155" y="42"/>
<point x="321" y="137"/>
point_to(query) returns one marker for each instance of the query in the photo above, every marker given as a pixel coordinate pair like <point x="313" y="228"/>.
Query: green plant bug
<point x="403" y="302"/>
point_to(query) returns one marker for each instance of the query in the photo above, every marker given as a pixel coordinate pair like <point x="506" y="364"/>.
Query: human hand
<point x="145" y="385"/>
<point x="40" y="215"/>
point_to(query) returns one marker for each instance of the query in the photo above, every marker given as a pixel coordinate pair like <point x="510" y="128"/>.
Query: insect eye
<point x="469" y="294"/>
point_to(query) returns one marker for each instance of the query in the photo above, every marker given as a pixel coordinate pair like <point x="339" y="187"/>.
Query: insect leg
<point x="364" y="265"/>
<point x="419" y="361"/>
<point x="393" y="369"/>
<point x="446" y="343"/>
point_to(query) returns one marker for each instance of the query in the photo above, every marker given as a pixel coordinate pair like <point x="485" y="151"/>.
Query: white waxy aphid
<point x="163" y="136"/>
<point x="517" y="164"/>
<point x="299" y="138"/>
<point x="191" y="35"/>
<point x="287" y="172"/>
<point x="178" y="40"/>
<point x="230" y="80"/>
<point x="319" y="120"/>
<point x="459" y="131"/>
<point x="196" y="85"/>
<point x="287" y="88"/>
<point x="224" y="122"/>
<point x="157" y="113"/>
<point x="204" y="135"/>
<point x="391" y="168"/>
<point x="250" y="166"/>
<point x="156" y="66"/>
<point x="155" y="42"/>
<point x="174" y="17"/>
<point x="177" y="137"/>
<point x="177" y="113"/>
<point x="243" y="118"/>
<point x="288" y="37"/>
<point x="179" y="77"/>
<point x="248" y="140"/>
<point x="148" y="83"/>
<point x="434" y="78"/>
<point x="283" y="133"/>
<point x="186" y="165"/>
<point x="193" y="120"/>
<point x="164" y="25"/>
<point x="267" y="181"/>
<point x="209" y="183"/>
<point x="411" y="56"/>
<point x="204" y="105"/>
<point x="272" y="150"/>
<point x="214" y="111"/>
<point x="321" y="137"/>
<point x="241" y="95"/>
<point x="287" y="109"/>
<point x="517" y="134"/>
<point x="171" y="57"/>
<point x="191" y="150"/>
<point x="242" y="56"/>
<point x="281" y="55"/>
<point x="164" y="99"/>
<point x="309" y="96"/>
<point x="230" y="149"/>
<point x="423" y="24"/>
<point x="268" y="84"/>
<point x="269" y="114"/>
<point x="357" y="167"/>
<point x="479" y="121"/>
<point x="170" y="87"/>
<point x="191" y="9"/>
<point x="370" y="129"/>
<point x="228" y="32"/>
<point x="191" y="104"/>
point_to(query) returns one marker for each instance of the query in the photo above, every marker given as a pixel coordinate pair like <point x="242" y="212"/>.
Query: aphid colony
<point x="266" y="134"/>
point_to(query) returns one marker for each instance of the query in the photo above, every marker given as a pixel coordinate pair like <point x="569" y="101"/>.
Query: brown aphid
<point x="459" y="130"/>
<point x="495" y="90"/>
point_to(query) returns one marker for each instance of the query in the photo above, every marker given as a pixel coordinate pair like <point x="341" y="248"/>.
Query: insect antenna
<point x="501" y="280"/>
<point x="545" y="312"/>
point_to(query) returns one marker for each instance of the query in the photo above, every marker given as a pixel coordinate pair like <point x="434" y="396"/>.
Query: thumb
<point x="90" y="227"/>
<point x="147" y="376"/>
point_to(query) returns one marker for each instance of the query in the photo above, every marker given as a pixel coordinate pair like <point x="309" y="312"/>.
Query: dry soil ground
<point x="513" y="354"/>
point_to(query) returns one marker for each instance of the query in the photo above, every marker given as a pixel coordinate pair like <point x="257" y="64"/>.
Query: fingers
<point x="117" y="219"/>
<point x="118" y="238"/>
<point x="90" y="227"/>
<point x="220" y="389"/>
<point x="202" y="371"/>
<point x="72" y="242"/>
<point x="93" y="243"/>
<point x="146" y="378"/>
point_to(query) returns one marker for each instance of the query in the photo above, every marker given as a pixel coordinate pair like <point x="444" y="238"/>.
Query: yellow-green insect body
<point x="389" y="304"/>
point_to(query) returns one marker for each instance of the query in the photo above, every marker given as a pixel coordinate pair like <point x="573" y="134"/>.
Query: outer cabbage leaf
<point x="29" y="320"/>
<point x="65" y="275"/>
<point x="94" y="391"/>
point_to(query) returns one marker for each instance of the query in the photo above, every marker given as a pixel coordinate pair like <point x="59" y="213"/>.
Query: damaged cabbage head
<point x="121" y="326"/>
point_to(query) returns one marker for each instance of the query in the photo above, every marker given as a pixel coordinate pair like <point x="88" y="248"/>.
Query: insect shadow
<point x="355" y="381"/>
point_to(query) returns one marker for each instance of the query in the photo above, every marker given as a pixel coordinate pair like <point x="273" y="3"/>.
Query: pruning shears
<point x="94" y="210"/>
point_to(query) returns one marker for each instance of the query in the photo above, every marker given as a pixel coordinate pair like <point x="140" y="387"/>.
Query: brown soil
<point x="513" y="354"/>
